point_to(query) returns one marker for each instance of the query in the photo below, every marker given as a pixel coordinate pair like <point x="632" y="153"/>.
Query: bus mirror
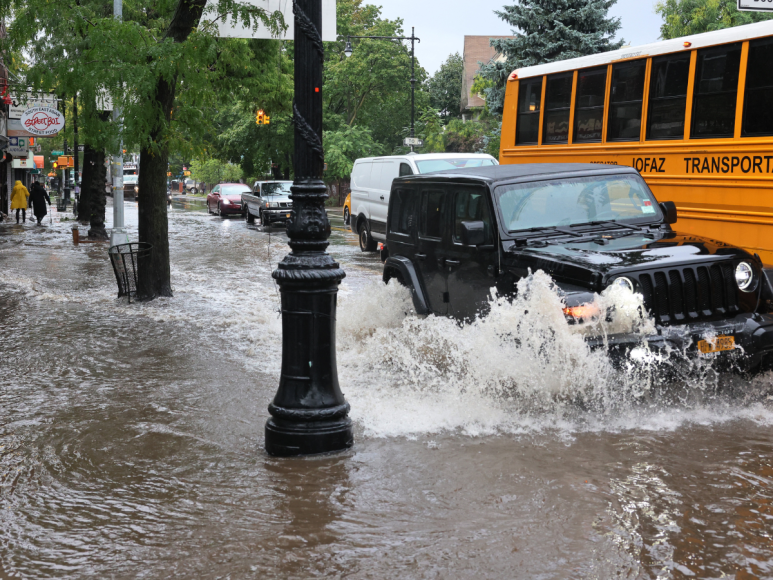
<point x="473" y="233"/>
<point x="669" y="211"/>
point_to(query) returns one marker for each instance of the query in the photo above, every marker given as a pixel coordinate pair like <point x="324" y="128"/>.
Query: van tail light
<point x="381" y="246"/>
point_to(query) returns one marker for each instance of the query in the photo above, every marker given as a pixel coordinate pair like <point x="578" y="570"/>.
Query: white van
<point x="372" y="181"/>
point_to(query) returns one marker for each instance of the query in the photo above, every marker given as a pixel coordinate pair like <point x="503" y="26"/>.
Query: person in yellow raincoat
<point x="19" y="200"/>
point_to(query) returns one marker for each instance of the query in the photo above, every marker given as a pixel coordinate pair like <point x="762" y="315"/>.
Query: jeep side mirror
<point x="473" y="233"/>
<point x="669" y="211"/>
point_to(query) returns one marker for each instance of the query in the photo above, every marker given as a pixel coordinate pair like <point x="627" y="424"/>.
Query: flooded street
<point x="131" y="443"/>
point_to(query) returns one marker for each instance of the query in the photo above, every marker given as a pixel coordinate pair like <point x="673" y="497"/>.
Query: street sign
<point x="413" y="142"/>
<point x="756" y="5"/>
<point x="81" y="147"/>
<point x="56" y="153"/>
<point x="228" y="27"/>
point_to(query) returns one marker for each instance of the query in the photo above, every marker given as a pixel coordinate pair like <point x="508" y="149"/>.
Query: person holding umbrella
<point x="38" y="198"/>
<point x="19" y="197"/>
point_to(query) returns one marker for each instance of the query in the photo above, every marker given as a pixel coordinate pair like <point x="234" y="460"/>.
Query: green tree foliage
<point x="687" y="17"/>
<point x="372" y="87"/>
<point x="344" y="147"/>
<point x="547" y="31"/>
<point x="213" y="171"/>
<point x="445" y="87"/>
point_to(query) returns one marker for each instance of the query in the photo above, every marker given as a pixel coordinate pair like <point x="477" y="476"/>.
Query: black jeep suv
<point x="453" y="235"/>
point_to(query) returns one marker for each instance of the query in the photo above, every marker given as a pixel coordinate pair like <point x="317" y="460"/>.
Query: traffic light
<point x="56" y="165"/>
<point x="259" y="119"/>
<point x="266" y="120"/>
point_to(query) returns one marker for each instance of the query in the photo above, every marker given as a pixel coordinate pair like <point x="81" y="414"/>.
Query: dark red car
<point x="226" y="199"/>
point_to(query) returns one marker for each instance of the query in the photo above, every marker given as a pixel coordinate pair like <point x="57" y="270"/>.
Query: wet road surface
<point x="131" y="443"/>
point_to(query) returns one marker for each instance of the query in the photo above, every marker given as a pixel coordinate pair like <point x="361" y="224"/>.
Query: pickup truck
<point x="269" y="202"/>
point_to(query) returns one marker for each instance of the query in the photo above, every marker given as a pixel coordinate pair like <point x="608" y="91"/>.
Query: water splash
<point x="520" y="368"/>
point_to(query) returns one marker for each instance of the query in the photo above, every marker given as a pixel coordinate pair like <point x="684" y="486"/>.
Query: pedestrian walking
<point x="19" y="197"/>
<point x="39" y="198"/>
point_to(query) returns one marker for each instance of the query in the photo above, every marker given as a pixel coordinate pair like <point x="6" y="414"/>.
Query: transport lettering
<point x="749" y="164"/>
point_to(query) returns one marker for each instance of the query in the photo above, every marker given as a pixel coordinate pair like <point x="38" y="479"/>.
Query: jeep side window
<point x="471" y="207"/>
<point x="432" y="203"/>
<point x="405" y="169"/>
<point x="402" y="213"/>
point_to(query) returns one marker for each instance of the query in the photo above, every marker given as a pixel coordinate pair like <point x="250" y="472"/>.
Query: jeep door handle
<point x="421" y="256"/>
<point x="452" y="262"/>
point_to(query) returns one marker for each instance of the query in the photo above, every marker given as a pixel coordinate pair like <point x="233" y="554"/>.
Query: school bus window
<point x="529" y="101"/>
<point x="589" y="111"/>
<point x="758" y="112"/>
<point x="558" y="103"/>
<point x="625" y="101"/>
<point x="716" y="92"/>
<point x="668" y="97"/>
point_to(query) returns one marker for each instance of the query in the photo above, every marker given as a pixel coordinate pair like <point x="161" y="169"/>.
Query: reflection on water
<point x="131" y="441"/>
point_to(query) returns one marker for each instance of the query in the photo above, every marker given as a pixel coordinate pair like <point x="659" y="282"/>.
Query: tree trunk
<point x="153" y="271"/>
<point x="154" y="276"/>
<point x="97" y="196"/>
<point x="84" y="205"/>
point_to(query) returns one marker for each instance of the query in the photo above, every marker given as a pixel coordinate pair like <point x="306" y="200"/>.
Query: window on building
<point x="716" y="92"/>
<point x="589" y="108"/>
<point x="626" y="101"/>
<point x="668" y="97"/>
<point x="402" y="214"/>
<point x="529" y="100"/>
<point x="558" y="105"/>
<point x="758" y="113"/>
<point x="471" y="206"/>
<point x="405" y="169"/>
<point x="433" y="204"/>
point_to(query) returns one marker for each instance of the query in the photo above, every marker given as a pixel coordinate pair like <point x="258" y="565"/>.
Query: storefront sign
<point x="18" y="146"/>
<point x="43" y="121"/>
<point x="19" y="104"/>
<point x="756" y="5"/>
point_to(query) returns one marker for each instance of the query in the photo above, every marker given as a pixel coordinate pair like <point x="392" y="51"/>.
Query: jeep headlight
<point x="582" y="313"/>
<point x="623" y="282"/>
<point x="744" y="276"/>
<point x="274" y="204"/>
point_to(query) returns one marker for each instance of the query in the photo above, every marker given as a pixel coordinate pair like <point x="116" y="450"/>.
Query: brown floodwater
<point x="131" y="443"/>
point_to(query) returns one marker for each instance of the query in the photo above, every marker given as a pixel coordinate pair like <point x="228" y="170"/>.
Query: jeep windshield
<point x="431" y="165"/>
<point x="576" y="201"/>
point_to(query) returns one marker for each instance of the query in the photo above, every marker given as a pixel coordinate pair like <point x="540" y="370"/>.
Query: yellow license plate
<point x="718" y="344"/>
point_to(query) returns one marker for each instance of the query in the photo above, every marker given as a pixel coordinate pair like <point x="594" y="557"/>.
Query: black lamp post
<point x="309" y="414"/>
<point x="348" y="50"/>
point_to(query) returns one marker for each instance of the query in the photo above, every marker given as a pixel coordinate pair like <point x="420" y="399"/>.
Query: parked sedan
<point x="226" y="199"/>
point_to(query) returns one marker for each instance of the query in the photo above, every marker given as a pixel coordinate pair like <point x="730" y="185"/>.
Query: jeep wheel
<point x="367" y="243"/>
<point x="250" y="217"/>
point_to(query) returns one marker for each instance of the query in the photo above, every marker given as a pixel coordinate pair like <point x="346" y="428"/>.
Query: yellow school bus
<point x="694" y="115"/>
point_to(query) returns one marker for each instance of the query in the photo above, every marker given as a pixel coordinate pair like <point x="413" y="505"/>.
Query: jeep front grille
<point x="690" y="293"/>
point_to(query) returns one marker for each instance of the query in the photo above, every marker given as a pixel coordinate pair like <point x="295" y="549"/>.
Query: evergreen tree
<point x="550" y="30"/>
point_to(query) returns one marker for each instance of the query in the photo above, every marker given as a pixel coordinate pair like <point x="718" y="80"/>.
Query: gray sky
<point x="442" y="28"/>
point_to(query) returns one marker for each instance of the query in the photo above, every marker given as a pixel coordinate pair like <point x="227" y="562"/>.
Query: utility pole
<point x="309" y="413"/>
<point x="118" y="234"/>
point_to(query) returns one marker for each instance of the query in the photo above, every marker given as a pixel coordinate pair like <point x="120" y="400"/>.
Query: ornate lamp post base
<point x="290" y="438"/>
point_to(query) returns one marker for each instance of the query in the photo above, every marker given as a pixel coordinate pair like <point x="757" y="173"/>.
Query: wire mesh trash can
<point x="124" y="259"/>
